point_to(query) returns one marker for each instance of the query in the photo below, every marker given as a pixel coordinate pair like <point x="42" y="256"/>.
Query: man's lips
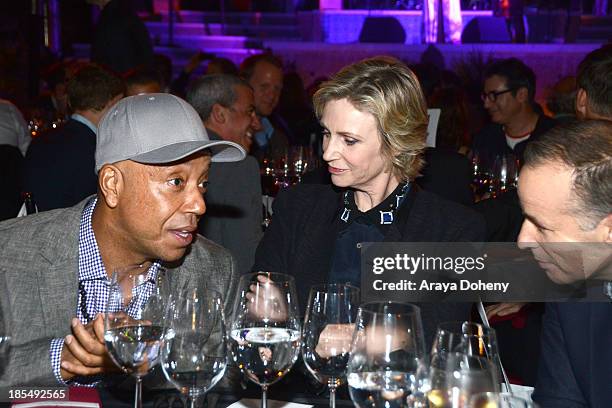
<point x="184" y="235"/>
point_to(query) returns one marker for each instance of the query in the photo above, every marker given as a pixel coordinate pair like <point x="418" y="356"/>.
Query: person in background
<point x="143" y="80"/>
<point x="121" y="41"/>
<point x="13" y="127"/>
<point x="564" y="188"/>
<point x="219" y="65"/>
<point x="59" y="166"/>
<point x="508" y="96"/>
<point x="264" y="72"/>
<point x="152" y="159"/>
<point x="562" y="100"/>
<point x="234" y="218"/>
<point x="375" y="120"/>
<point x="594" y="82"/>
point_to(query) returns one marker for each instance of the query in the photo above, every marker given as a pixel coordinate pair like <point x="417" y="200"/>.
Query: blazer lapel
<point x="58" y="282"/>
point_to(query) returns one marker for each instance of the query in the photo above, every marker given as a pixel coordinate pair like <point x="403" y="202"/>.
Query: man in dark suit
<point x="565" y="195"/>
<point x="234" y="217"/>
<point x="59" y="166"/>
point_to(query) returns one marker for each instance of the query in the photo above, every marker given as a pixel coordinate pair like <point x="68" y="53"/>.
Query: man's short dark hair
<point x="213" y="89"/>
<point x="595" y="77"/>
<point x="586" y="148"/>
<point x="92" y="87"/>
<point x="247" y="68"/>
<point x="517" y="75"/>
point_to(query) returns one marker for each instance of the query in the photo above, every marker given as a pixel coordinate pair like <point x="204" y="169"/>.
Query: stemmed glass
<point x="466" y="337"/>
<point x="133" y="323"/>
<point x="5" y="322"/>
<point x="387" y="357"/>
<point x="505" y="173"/>
<point x="327" y="333"/>
<point x="456" y="377"/>
<point x="194" y="354"/>
<point x="265" y="328"/>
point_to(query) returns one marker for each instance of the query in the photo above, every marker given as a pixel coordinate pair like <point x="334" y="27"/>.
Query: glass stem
<point x="194" y="402"/>
<point x="138" y="393"/>
<point x="264" y="396"/>
<point x="332" y="392"/>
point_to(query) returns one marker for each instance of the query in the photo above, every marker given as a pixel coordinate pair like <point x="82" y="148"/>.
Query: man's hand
<point x="335" y="339"/>
<point x="84" y="352"/>
<point x="266" y="300"/>
<point x="503" y="309"/>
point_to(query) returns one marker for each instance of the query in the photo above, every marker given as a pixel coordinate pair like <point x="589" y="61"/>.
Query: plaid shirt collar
<point x="91" y="266"/>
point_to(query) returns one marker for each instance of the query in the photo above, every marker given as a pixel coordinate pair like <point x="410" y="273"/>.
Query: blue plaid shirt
<point x="95" y="282"/>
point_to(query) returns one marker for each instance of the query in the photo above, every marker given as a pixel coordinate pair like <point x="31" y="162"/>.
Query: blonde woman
<point x="374" y="118"/>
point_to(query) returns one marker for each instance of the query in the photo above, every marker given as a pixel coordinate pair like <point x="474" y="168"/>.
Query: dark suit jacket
<point x="234" y="208"/>
<point x="59" y="168"/>
<point x="11" y="162"/>
<point x="491" y="140"/>
<point x="121" y="40"/>
<point x="575" y="367"/>
<point x="448" y="174"/>
<point x="301" y="238"/>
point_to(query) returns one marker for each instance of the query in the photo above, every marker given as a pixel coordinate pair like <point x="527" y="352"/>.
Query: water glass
<point x="265" y="329"/>
<point x="387" y="358"/>
<point x="194" y="354"/>
<point x="328" y="330"/>
<point x="133" y="322"/>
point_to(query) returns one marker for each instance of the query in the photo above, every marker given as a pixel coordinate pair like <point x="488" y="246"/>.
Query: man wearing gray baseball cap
<point x="152" y="160"/>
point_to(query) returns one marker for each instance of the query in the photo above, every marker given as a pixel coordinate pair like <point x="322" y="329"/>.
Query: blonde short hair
<point x="386" y="88"/>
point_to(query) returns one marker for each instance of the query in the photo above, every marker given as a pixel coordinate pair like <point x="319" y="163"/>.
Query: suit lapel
<point x="58" y="282"/>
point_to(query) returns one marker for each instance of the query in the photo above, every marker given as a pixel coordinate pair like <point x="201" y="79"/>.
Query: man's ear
<point x="111" y="184"/>
<point x="582" y="104"/>
<point x="218" y="113"/>
<point x="522" y="94"/>
<point x="606" y="224"/>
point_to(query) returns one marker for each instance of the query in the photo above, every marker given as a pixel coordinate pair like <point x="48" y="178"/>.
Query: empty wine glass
<point x="456" y="377"/>
<point x="466" y="337"/>
<point x="327" y="333"/>
<point x="265" y="328"/>
<point x="133" y="323"/>
<point x="499" y="400"/>
<point x="387" y="357"/>
<point x="5" y="323"/>
<point x="504" y="173"/>
<point x="194" y="353"/>
<point x="469" y="338"/>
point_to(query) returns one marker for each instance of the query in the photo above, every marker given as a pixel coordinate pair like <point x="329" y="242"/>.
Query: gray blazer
<point x="234" y="209"/>
<point x="39" y="258"/>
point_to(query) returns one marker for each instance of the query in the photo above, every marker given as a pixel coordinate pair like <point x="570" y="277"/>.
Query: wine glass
<point x="265" y="328"/>
<point x="504" y="173"/>
<point x="387" y="357"/>
<point x="469" y="338"/>
<point x="5" y="323"/>
<point x="466" y="337"/>
<point x="327" y="333"/>
<point x="194" y="353"/>
<point x="133" y="323"/>
<point x="499" y="400"/>
<point x="456" y="377"/>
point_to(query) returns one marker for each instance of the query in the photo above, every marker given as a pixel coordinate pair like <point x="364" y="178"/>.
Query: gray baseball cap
<point x="157" y="129"/>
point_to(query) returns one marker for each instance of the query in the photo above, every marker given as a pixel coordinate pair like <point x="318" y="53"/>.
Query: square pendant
<point x="386" y="217"/>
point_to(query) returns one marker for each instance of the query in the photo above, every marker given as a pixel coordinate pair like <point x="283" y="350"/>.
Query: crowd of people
<point x="135" y="174"/>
